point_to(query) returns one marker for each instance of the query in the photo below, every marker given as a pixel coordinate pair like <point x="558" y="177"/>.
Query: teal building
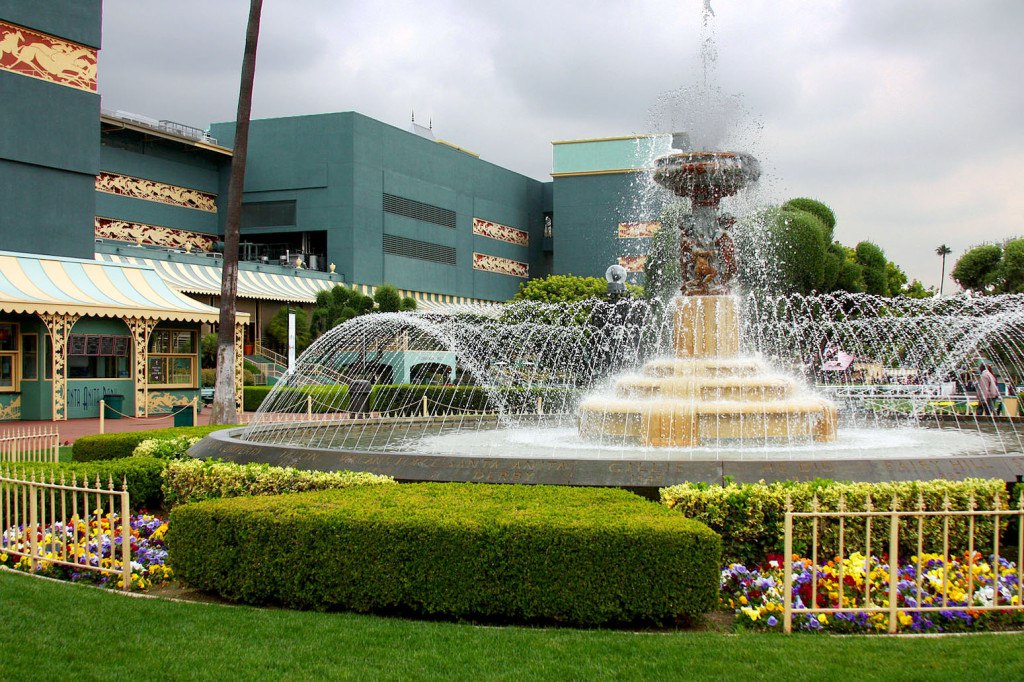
<point x="115" y="221"/>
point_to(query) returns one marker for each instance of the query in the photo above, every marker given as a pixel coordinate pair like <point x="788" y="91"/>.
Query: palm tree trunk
<point x="942" y="277"/>
<point x="224" y="408"/>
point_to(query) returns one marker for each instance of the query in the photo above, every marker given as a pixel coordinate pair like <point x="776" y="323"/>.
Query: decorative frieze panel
<point x="512" y="235"/>
<point x="151" y="190"/>
<point x="503" y="266"/>
<point x="633" y="263"/>
<point x="634" y="230"/>
<point x="141" y="233"/>
<point x="47" y="57"/>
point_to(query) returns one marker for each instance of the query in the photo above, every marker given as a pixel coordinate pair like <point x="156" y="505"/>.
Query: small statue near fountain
<point x="707" y="393"/>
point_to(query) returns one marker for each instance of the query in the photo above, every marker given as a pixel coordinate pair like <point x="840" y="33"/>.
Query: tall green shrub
<point x="750" y="517"/>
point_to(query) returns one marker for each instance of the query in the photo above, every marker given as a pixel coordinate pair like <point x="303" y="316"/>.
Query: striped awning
<point x="32" y="283"/>
<point x="201" y="278"/>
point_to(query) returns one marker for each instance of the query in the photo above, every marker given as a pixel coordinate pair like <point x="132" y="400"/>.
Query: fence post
<point x="894" y="563"/>
<point x="540" y="406"/>
<point x="102" y="412"/>
<point x="33" y="522"/>
<point x="426" y="412"/>
<point x="309" y="407"/>
<point x="787" y="569"/>
<point x="126" y="538"/>
<point x="195" y="411"/>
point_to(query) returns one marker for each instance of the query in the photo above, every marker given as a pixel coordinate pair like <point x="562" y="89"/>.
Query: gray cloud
<point x="901" y="114"/>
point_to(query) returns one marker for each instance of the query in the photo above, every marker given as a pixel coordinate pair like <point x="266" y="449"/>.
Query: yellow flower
<point x="823" y="619"/>
<point x="753" y="614"/>
<point x="904" y="618"/>
<point x="743" y="599"/>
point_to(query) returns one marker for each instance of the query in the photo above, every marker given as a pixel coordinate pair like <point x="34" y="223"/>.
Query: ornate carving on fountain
<point x="707" y="392"/>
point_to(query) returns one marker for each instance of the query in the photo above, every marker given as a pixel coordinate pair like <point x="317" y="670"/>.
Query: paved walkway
<point x="76" y="428"/>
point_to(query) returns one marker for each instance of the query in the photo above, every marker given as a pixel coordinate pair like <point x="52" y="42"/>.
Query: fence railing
<point x="79" y="525"/>
<point x="30" y="444"/>
<point x="958" y="578"/>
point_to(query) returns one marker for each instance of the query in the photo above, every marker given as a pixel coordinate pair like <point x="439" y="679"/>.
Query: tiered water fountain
<point x="708" y="392"/>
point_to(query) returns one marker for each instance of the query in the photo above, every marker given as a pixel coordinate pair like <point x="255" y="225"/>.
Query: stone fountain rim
<point x="582" y="471"/>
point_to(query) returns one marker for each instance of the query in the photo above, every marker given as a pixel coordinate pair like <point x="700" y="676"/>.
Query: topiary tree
<point x="388" y="299"/>
<point x="1012" y="267"/>
<point x="801" y="248"/>
<point x="408" y="303"/>
<point x="817" y="209"/>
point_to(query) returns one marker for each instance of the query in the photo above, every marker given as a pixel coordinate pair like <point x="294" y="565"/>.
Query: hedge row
<point x="751" y="517"/>
<point x="509" y="553"/>
<point x="142" y="474"/>
<point x="408" y="398"/>
<point x="193" y="480"/>
<point x="117" y="445"/>
<point x="326" y="398"/>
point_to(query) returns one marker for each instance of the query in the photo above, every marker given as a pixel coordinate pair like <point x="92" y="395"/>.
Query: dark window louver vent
<point x="417" y="210"/>
<point x="268" y="213"/>
<point x="414" y="248"/>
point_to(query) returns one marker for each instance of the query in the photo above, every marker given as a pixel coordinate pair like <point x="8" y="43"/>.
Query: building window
<point x="268" y="213"/>
<point x="10" y="358"/>
<point x="29" y="357"/>
<point x="99" y="356"/>
<point x="172" y="358"/>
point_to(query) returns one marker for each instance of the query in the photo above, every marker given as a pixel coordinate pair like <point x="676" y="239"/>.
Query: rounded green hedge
<point x="581" y="556"/>
<point x="144" y="476"/>
<point x="117" y="445"/>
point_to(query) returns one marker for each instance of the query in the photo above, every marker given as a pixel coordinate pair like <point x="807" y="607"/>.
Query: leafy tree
<point x="208" y="351"/>
<point x="408" y="303"/>
<point x="979" y="267"/>
<point x="661" y="269"/>
<point x="917" y="290"/>
<point x="277" y="329"/>
<point x="872" y="259"/>
<point x="896" y="278"/>
<point x="567" y="289"/>
<point x="1012" y="268"/>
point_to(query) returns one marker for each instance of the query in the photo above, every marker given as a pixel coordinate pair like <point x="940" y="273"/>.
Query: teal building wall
<point x="339" y="167"/>
<point x="130" y="153"/>
<point x="49" y="154"/>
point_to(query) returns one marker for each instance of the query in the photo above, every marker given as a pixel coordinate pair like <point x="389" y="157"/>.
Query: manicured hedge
<point x="193" y="480"/>
<point x="144" y="476"/>
<point x="581" y="556"/>
<point x="751" y="517"/>
<point x="408" y="398"/>
<point x="327" y="398"/>
<point x="117" y="445"/>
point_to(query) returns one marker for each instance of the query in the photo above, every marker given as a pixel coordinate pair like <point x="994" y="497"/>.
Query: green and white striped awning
<point x="31" y="283"/>
<point x="200" y="278"/>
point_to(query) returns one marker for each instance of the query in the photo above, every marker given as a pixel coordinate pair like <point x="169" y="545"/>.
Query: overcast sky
<point x="905" y="116"/>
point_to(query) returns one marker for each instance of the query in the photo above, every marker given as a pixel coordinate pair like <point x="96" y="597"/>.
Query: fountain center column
<point x="706" y="327"/>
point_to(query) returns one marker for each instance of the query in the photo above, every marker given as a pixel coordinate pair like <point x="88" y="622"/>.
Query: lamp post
<point x="615" y="276"/>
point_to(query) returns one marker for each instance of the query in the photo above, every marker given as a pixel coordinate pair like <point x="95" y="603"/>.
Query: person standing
<point x="988" y="391"/>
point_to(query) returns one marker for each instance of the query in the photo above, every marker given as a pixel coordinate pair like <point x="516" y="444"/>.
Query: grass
<point x="46" y="624"/>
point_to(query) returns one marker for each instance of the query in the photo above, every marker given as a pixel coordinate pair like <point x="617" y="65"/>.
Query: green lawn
<point x="69" y="630"/>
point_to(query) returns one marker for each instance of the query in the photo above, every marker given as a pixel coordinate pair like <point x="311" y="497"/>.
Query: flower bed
<point x="103" y="549"/>
<point x="756" y="594"/>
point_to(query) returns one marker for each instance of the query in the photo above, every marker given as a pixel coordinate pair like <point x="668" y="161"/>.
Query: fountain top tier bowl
<point x="706" y="177"/>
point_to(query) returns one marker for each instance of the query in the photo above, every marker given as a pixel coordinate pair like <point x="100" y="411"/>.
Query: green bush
<point x="408" y="399"/>
<point x="118" y="445"/>
<point x="326" y="398"/>
<point x="193" y="480"/>
<point x="583" y="556"/>
<point x="174" y="448"/>
<point x="751" y="517"/>
<point x="143" y="476"/>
